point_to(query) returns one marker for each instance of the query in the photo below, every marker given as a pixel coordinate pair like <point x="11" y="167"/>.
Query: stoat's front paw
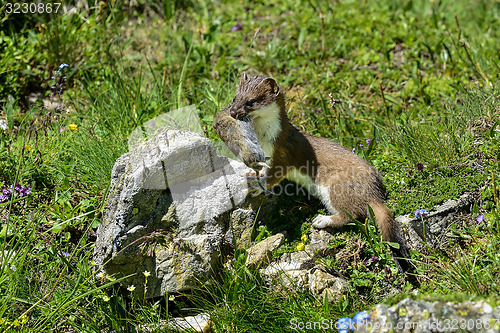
<point x="252" y="183"/>
<point x="322" y="221"/>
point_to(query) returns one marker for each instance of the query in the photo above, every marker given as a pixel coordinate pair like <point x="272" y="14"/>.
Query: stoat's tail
<point x="391" y="233"/>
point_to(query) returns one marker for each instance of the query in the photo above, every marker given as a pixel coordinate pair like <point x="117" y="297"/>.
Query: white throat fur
<point x="267" y="124"/>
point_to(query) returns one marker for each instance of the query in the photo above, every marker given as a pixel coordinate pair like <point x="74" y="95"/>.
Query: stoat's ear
<point x="273" y="85"/>
<point x="245" y="77"/>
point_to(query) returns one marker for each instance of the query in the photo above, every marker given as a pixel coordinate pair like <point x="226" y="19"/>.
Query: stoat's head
<point x="254" y="93"/>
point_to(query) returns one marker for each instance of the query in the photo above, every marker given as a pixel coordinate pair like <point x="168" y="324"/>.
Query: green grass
<point x="419" y="77"/>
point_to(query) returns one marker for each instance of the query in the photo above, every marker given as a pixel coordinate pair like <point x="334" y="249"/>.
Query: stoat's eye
<point x="250" y="103"/>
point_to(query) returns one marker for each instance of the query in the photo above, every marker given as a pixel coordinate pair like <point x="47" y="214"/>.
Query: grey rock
<point x="3" y="125"/>
<point x="260" y="253"/>
<point x="325" y="285"/>
<point x="420" y="316"/>
<point x="199" y="323"/>
<point x="242" y="222"/>
<point x="316" y="280"/>
<point x="6" y="259"/>
<point x="288" y="274"/>
<point x="319" y="240"/>
<point x="430" y="228"/>
<point x="168" y="213"/>
<point x="48" y="103"/>
<point x="300" y="272"/>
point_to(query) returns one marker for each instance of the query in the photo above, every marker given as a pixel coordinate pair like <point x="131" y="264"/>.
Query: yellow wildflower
<point x="146" y="274"/>
<point x="301" y="247"/>
<point x="131" y="288"/>
<point x="73" y="127"/>
<point x="106" y="298"/>
<point x="304" y="238"/>
<point x="171" y="297"/>
<point x="27" y="147"/>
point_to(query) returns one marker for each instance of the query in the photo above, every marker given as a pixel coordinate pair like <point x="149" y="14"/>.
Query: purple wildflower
<point x="7" y="192"/>
<point x="368" y="141"/>
<point x="62" y="67"/>
<point x="23" y="191"/>
<point x="354" y="149"/>
<point x="345" y="324"/>
<point x="419" y="213"/>
<point x="343" y="267"/>
<point x="303" y="113"/>
<point x="5" y="195"/>
<point x="374" y="259"/>
<point x="387" y="270"/>
<point x="480" y="218"/>
<point x="237" y="27"/>
<point x="65" y="254"/>
<point x="420" y="166"/>
<point x="360" y="318"/>
<point x="4" y="198"/>
<point x="361" y="146"/>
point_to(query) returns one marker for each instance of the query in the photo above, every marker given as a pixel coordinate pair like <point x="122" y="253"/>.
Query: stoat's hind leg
<point x="330" y="221"/>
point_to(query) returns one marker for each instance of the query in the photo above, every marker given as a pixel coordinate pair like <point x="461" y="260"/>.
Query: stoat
<point x="342" y="180"/>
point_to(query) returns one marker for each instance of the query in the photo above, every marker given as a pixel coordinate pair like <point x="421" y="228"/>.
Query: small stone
<point x="3" y="125"/>
<point x="287" y="273"/>
<point x="200" y="323"/>
<point x="324" y="284"/>
<point x="260" y="254"/>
